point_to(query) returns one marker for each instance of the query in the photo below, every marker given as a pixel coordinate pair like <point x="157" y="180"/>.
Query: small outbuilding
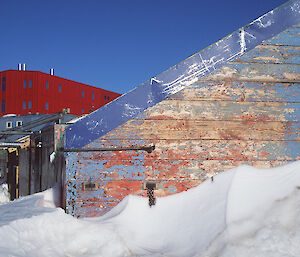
<point x="235" y="102"/>
<point x="27" y="144"/>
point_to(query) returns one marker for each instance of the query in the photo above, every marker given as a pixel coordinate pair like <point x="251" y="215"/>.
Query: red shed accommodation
<point x="24" y="92"/>
<point x="235" y="102"/>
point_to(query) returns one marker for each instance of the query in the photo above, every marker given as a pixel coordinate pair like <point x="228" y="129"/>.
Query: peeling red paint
<point x="120" y="188"/>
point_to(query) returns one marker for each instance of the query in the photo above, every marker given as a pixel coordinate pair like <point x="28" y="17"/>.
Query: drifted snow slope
<point x="242" y="212"/>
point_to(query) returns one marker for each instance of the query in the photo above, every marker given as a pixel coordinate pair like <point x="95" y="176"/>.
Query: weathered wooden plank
<point x="115" y="191"/>
<point x="110" y="193"/>
<point x="164" y="169"/>
<point x="95" y="203"/>
<point x="256" y="72"/>
<point x="289" y="37"/>
<point x="223" y="110"/>
<point x="107" y="169"/>
<point x="226" y="149"/>
<point x="205" y="130"/>
<point x="272" y="54"/>
<point x="170" y="170"/>
<point x="240" y="91"/>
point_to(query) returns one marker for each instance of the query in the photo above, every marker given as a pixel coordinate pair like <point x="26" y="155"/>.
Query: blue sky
<point x="116" y="45"/>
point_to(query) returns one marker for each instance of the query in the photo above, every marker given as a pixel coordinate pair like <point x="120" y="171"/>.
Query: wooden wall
<point x="29" y="168"/>
<point x="246" y="112"/>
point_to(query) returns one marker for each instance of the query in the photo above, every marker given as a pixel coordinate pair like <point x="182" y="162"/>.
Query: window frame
<point x="11" y="124"/>
<point x="3" y="86"/>
<point x="18" y="122"/>
<point x="3" y="102"/>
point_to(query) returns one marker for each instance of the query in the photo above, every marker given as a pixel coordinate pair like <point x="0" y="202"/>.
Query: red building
<point x="23" y="92"/>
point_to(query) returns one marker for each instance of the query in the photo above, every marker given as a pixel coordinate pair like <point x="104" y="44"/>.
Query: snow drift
<point x="4" y="194"/>
<point x="242" y="212"/>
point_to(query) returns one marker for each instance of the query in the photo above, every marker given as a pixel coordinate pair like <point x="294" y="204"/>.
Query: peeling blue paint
<point x="287" y="38"/>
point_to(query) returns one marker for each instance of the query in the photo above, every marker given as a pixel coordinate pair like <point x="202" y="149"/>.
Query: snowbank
<point x="4" y="194"/>
<point x="243" y="212"/>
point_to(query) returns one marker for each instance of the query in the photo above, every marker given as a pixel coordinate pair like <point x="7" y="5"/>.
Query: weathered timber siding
<point x="210" y="126"/>
<point x="246" y="112"/>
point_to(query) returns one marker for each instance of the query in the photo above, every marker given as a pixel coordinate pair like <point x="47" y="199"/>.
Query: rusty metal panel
<point x="245" y="112"/>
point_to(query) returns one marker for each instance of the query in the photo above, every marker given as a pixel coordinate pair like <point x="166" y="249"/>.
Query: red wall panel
<point x="45" y="93"/>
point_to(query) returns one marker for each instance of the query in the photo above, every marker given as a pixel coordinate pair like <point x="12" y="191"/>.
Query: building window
<point x="29" y="105"/>
<point x="30" y="83"/>
<point x="24" y="105"/>
<point x="93" y="96"/>
<point x="59" y="88"/>
<point x="47" y="85"/>
<point x="108" y="98"/>
<point x="3" y="106"/>
<point x="8" y="124"/>
<point x="82" y="94"/>
<point x="105" y="97"/>
<point x="19" y="123"/>
<point x="24" y="83"/>
<point x="82" y="111"/>
<point x="47" y="106"/>
<point x="3" y="84"/>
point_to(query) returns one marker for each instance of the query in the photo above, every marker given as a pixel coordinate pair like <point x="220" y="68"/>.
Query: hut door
<point x="13" y="174"/>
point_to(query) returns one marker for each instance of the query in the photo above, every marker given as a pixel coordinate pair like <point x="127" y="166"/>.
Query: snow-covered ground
<point x="242" y="212"/>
